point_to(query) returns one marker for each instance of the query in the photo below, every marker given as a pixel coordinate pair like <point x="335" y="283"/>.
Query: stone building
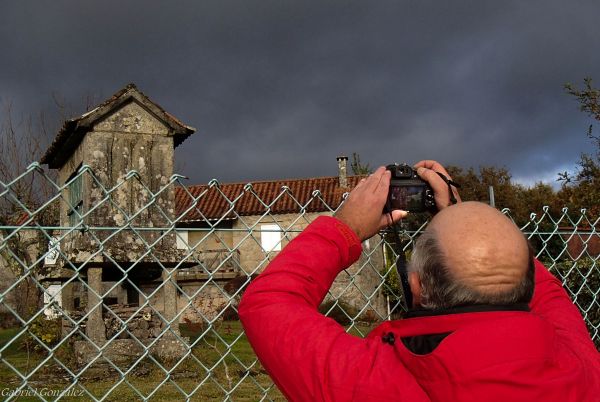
<point x="257" y="220"/>
<point x="116" y="164"/>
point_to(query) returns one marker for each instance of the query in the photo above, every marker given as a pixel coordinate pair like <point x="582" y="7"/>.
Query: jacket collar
<point x="480" y="308"/>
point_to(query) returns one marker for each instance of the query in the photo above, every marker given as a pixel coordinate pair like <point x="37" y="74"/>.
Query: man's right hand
<point x="428" y="170"/>
<point x="362" y="210"/>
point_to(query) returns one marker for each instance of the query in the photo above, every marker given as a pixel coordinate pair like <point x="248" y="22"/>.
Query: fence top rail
<point x="85" y="228"/>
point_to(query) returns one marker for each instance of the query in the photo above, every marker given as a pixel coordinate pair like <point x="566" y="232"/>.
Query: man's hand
<point x="363" y="209"/>
<point x="427" y="171"/>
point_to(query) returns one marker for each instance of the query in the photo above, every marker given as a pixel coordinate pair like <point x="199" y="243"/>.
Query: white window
<point x="52" y="300"/>
<point x="53" y="251"/>
<point x="270" y="237"/>
<point x="182" y="239"/>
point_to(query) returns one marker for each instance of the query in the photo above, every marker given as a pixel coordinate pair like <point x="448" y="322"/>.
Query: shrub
<point x="47" y="332"/>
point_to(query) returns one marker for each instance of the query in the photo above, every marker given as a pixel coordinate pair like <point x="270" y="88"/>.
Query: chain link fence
<point x="142" y="306"/>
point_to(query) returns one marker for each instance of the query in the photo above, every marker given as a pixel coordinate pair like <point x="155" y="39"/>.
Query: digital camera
<point x="408" y="191"/>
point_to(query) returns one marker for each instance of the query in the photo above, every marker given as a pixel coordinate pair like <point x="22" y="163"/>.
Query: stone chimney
<point x="342" y="168"/>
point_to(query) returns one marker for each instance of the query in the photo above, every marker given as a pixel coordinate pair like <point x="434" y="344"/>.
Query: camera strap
<point x="450" y="184"/>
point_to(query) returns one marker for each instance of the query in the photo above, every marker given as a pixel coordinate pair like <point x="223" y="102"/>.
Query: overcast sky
<point x="278" y="89"/>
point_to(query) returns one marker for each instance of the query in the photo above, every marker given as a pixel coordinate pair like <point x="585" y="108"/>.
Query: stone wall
<point x="253" y="258"/>
<point x="197" y="302"/>
<point x="202" y="239"/>
<point x="357" y="286"/>
<point x="205" y="302"/>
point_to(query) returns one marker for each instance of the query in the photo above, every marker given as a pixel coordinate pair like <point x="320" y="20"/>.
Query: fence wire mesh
<point x="124" y="293"/>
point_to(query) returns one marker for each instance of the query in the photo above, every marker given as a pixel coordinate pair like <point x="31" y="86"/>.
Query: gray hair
<point x="439" y="288"/>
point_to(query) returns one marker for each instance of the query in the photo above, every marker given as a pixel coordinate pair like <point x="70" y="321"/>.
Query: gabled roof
<point x="73" y="130"/>
<point x="214" y="202"/>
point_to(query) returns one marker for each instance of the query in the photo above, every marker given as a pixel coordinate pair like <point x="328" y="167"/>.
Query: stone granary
<point x="116" y="164"/>
<point x="94" y="154"/>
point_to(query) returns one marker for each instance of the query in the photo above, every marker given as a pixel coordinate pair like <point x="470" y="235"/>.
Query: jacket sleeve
<point x="551" y="302"/>
<point x="309" y="356"/>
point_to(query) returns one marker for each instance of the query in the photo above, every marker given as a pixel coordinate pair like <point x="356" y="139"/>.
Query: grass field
<point x="221" y="364"/>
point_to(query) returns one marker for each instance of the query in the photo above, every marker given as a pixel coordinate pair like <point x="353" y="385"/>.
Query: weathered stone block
<point x="121" y="352"/>
<point x="169" y="348"/>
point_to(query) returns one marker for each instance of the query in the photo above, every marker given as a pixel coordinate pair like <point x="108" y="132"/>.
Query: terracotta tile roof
<point x="214" y="202"/>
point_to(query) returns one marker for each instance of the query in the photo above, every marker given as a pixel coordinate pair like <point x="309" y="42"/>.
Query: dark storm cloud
<point x="279" y="89"/>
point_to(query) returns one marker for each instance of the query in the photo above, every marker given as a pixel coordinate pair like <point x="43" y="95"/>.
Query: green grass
<point x="6" y="335"/>
<point x="221" y="360"/>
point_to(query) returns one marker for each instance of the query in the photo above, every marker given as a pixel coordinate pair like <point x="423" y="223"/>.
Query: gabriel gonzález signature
<point x="44" y="392"/>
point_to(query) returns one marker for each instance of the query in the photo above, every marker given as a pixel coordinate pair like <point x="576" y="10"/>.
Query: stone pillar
<point x="95" y="329"/>
<point x="169" y="348"/>
<point x="169" y="278"/>
<point x="67" y="306"/>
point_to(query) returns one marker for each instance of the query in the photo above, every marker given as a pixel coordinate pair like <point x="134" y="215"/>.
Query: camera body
<point x="408" y="191"/>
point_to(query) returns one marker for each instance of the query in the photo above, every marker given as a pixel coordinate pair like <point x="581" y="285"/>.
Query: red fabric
<point x="542" y="355"/>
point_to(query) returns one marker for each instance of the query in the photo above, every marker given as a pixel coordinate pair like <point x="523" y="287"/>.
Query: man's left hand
<point x="363" y="209"/>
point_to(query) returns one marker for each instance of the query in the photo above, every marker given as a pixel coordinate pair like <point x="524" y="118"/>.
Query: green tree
<point x="582" y="189"/>
<point x="358" y="168"/>
<point x="507" y="194"/>
<point x="588" y="98"/>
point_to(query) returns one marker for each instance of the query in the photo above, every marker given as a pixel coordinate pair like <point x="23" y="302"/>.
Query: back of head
<point x="472" y="254"/>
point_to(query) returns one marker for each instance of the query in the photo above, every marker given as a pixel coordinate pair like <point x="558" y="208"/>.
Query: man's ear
<point x="415" y="287"/>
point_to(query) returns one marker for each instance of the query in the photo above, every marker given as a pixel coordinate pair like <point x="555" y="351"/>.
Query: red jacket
<point x="542" y="355"/>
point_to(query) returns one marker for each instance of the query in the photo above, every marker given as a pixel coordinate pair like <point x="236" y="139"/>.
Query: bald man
<point x="478" y="330"/>
<point x="471" y="254"/>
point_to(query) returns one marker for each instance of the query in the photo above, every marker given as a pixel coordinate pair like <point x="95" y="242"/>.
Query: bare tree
<point x="24" y="195"/>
